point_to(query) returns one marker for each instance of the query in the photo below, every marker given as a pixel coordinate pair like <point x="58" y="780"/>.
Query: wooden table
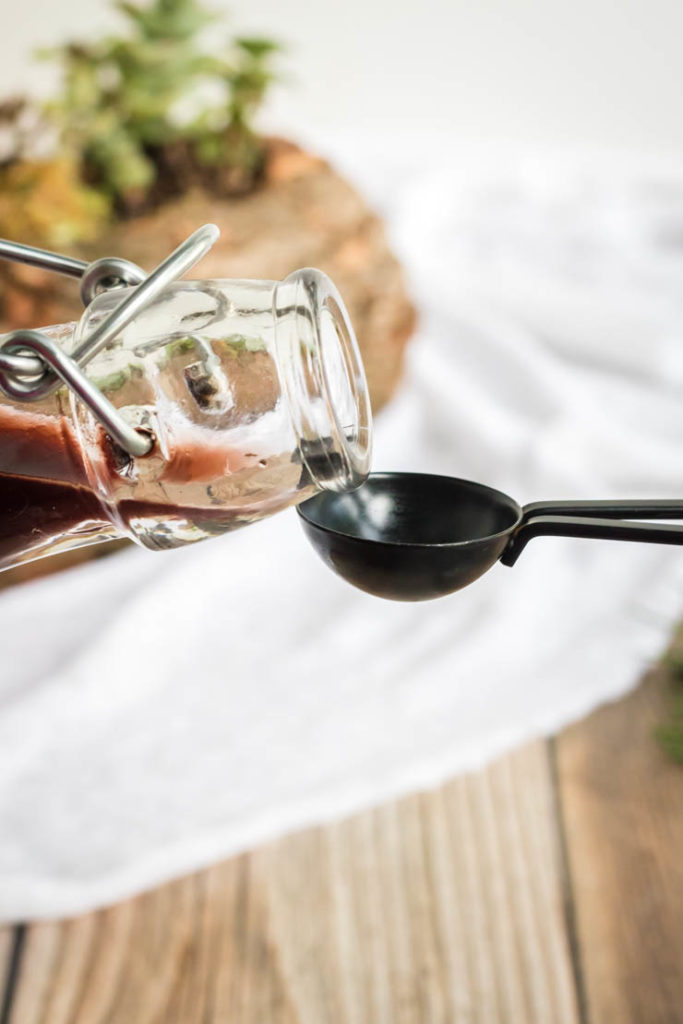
<point x="547" y="888"/>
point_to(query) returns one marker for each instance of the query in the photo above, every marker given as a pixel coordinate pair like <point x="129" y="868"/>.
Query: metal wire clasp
<point x="32" y="365"/>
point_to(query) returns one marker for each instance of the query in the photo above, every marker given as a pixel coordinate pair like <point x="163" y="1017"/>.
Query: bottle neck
<point x="323" y="379"/>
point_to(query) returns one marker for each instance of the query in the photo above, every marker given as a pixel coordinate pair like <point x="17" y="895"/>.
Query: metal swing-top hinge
<point x="32" y="365"/>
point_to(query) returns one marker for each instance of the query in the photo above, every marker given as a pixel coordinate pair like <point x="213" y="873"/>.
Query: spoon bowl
<point x="410" y="536"/>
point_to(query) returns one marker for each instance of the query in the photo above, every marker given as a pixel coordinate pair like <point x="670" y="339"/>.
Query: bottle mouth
<point x="324" y="380"/>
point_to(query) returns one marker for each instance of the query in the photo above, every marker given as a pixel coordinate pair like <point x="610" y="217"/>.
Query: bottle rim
<point x="324" y="380"/>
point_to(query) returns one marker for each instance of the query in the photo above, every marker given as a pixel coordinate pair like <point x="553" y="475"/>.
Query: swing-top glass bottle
<point x="252" y="394"/>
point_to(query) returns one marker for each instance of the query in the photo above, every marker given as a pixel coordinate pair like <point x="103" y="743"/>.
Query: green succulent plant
<point x="133" y="108"/>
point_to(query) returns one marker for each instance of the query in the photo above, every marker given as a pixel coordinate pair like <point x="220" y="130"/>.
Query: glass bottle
<point x="253" y="392"/>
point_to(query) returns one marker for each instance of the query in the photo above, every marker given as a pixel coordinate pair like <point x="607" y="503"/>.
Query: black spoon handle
<point x="598" y="529"/>
<point x="657" y="508"/>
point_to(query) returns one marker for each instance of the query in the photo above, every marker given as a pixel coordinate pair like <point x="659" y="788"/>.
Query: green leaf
<point x="113" y="381"/>
<point x="257" y="46"/>
<point x="180" y="346"/>
<point x="167" y="19"/>
<point x="211" y="148"/>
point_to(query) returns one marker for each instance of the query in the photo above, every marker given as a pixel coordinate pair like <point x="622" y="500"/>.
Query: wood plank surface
<point x="7" y="939"/>
<point x="448" y="906"/>
<point x="622" y="805"/>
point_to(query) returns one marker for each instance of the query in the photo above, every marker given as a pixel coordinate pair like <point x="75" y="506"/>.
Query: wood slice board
<point x="303" y="214"/>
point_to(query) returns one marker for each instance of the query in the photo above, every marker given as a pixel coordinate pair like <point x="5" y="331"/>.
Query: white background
<point x="597" y="73"/>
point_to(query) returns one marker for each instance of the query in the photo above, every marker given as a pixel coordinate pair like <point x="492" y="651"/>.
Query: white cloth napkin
<point x="158" y="712"/>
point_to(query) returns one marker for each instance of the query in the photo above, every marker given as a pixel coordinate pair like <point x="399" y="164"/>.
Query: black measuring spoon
<point x="415" y="536"/>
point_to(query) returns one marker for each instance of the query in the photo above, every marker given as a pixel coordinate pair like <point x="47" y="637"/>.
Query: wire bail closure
<point x="33" y="365"/>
